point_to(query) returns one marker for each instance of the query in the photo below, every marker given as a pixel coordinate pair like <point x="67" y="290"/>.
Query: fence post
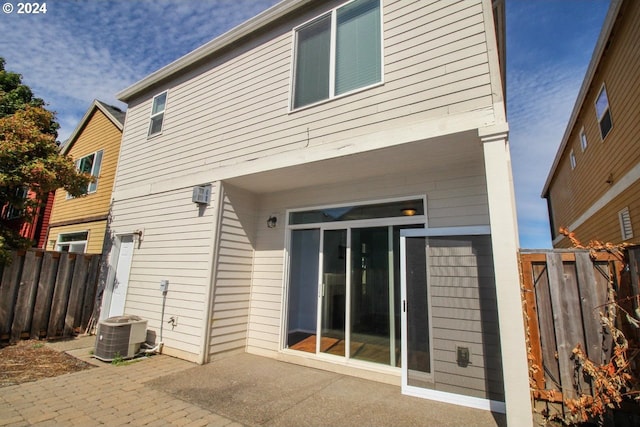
<point x="90" y="292"/>
<point x="26" y="295"/>
<point x="568" y="332"/>
<point x="61" y="295"/>
<point x="9" y="292"/>
<point x="533" y="328"/>
<point x="46" y="286"/>
<point x="76" y="294"/>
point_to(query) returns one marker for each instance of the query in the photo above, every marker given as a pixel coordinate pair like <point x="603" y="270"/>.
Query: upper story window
<point x="583" y="139"/>
<point x="603" y="113"/>
<point x="157" y="113"/>
<point x="572" y="159"/>
<point x="90" y="164"/>
<point x="338" y="52"/>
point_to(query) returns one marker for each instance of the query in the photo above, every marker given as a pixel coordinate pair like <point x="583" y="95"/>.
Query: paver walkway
<point x="107" y="395"/>
<point x="239" y="390"/>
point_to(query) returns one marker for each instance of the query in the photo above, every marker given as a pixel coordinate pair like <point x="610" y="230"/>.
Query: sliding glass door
<point x="344" y="273"/>
<point x="447" y="286"/>
<point x="371" y="266"/>
<point x="416" y="312"/>
<point x="334" y="292"/>
<point x="302" y="307"/>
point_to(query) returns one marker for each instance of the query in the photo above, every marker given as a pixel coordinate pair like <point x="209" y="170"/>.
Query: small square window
<point x="157" y="113"/>
<point x="603" y="113"/>
<point x="583" y="140"/>
<point x="625" y="224"/>
<point x="572" y="159"/>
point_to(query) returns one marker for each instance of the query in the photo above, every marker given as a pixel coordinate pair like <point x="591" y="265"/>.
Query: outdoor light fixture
<point x="408" y="212"/>
<point x="272" y="221"/>
<point x="138" y="235"/>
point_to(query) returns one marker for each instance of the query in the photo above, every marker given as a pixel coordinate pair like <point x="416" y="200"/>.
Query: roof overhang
<point x="257" y="22"/>
<point x="601" y="45"/>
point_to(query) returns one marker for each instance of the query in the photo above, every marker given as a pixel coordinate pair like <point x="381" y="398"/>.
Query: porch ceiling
<point x="436" y="154"/>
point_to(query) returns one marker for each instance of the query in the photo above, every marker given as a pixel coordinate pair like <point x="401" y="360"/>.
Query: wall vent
<point x="625" y="224"/>
<point x="201" y="194"/>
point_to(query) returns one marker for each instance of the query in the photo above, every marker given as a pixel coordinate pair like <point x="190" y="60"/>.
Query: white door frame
<point x="458" y="399"/>
<point x="111" y="275"/>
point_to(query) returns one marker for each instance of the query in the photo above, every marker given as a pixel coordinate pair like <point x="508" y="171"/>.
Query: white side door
<point x="121" y="279"/>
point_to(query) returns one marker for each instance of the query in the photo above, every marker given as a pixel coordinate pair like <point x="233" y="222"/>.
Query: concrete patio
<point x="240" y="390"/>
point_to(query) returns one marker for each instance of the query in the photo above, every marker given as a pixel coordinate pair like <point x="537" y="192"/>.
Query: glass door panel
<point x="370" y="322"/>
<point x="418" y="353"/>
<point x="302" y="313"/>
<point x="334" y="287"/>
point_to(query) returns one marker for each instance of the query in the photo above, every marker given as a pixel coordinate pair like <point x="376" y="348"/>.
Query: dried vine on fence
<point x="611" y="382"/>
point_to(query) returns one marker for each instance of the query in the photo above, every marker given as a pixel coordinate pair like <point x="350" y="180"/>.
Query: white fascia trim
<point x="623" y="183"/>
<point x="456" y="399"/>
<point x="610" y="19"/>
<point x="231" y="36"/>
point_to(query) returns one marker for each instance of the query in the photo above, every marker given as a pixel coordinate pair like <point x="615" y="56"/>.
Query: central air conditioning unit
<point x="120" y="337"/>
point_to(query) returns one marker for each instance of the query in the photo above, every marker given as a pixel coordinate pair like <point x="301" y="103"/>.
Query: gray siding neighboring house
<point x="345" y="180"/>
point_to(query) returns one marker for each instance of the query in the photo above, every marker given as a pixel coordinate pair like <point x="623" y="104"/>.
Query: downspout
<point x="218" y="190"/>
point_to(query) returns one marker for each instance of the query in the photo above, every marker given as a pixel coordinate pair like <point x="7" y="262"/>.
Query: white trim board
<point x="456" y="399"/>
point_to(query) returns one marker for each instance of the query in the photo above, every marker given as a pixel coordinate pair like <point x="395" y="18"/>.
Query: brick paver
<point x="108" y="395"/>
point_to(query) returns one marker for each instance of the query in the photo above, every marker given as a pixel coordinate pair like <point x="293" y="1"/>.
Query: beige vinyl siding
<point x="95" y="238"/>
<point x="99" y="134"/>
<point x="448" y="204"/>
<point x="573" y="192"/>
<point x="235" y="108"/>
<point x="177" y="245"/>
<point x="230" y="310"/>
<point x="463" y="301"/>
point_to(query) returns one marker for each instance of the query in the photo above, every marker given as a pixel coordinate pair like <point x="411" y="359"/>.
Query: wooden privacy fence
<point x="47" y="294"/>
<point x="564" y="292"/>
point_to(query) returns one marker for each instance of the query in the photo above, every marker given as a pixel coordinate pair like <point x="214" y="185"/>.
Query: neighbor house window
<point x="603" y="113"/>
<point x="90" y="164"/>
<point x="583" y="139"/>
<point x="625" y="224"/>
<point x="338" y="52"/>
<point x="157" y="113"/>
<point x="572" y="158"/>
<point x="72" y="242"/>
<point x="14" y="212"/>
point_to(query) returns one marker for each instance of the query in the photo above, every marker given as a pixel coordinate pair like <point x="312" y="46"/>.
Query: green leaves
<point x="29" y="157"/>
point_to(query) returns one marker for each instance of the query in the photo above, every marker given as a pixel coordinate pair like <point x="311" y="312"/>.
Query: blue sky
<point x="82" y="50"/>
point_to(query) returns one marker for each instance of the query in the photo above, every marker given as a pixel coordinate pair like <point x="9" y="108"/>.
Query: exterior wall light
<point x="272" y="221"/>
<point x="138" y="236"/>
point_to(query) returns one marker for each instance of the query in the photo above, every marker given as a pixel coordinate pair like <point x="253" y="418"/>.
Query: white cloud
<point x="543" y="101"/>
<point x="83" y="50"/>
